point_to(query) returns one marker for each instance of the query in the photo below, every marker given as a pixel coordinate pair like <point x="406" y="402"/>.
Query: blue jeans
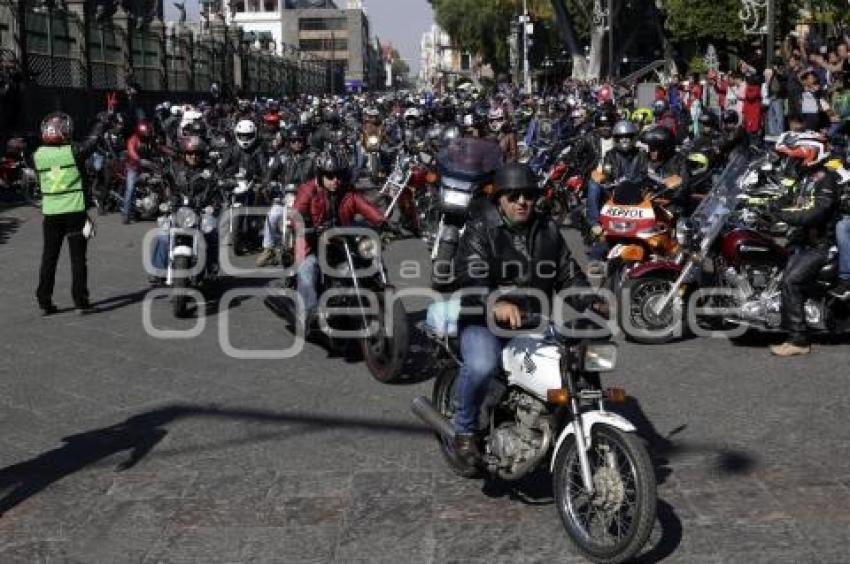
<point x="308" y="276"/>
<point x="842" y="237"/>
<point x="271" y="230"/>
<point x="159" y="256"/>
<point x="481" y="352"/>
<point x="129" y="190"/>
<point x="595" y="193"/>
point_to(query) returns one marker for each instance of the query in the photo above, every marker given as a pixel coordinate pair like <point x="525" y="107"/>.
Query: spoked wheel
<point x="641" y="321"/>
<point x="613" y="524"/>
<point x="386" y="350"/>
<point x="444" y="402"/>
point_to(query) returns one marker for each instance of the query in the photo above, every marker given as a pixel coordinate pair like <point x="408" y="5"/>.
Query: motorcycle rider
<point x="65" y="199"/>
<point x="193" y="150"/>
<point x="141" y="148"/>
<point x="625" y="161"/>
<point x="502" y="249"/>
<point x="811" y="210"/>
<point x="295" y="166"/>
<point x="327" y="200"/>
<point x="666" y="164"/>
<point x="665" y="117"/>
<point x="247" y="155"/>
<point x="499" y="129"/>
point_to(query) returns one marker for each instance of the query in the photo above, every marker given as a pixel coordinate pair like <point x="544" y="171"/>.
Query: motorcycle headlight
<point x="367" y="248"/>
<point x="600" y="357"/>
<point x="456" y="198"/>
<point x="186" y="218"/>
<point x="373" y="142"/>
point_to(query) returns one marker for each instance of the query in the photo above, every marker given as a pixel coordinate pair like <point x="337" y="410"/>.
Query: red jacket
<point x="312" y="203"/>
<point x="752" y="108"/>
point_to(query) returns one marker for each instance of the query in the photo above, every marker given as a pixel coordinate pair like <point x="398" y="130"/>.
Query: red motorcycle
<point x="729" y="253"/>
<point x="18" y="181"/>
<point x="563" y="187"/>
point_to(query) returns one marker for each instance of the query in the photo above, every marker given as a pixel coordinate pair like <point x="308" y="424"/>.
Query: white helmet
<point x="412" y="114"/>
<point x="176" y="111"/>
<point x="246" y="133"/>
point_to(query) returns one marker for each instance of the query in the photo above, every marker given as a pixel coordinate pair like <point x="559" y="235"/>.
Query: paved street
<point x="119" y="447"/>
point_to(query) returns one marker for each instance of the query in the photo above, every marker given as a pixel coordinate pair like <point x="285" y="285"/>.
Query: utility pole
<point x="611" y="69"/>
<point x="526" y="72"/>
<point x="769" y="28"/>
<point x="333" y="63"/>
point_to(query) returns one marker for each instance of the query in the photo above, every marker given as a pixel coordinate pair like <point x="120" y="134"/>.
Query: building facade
<point x="442" y="65"/>
<point x="319" y="28"/>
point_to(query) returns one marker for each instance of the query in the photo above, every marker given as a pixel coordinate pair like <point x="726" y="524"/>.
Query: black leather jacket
<point x="812" y="209"/>
<point x="493" y="255"/>
<point x="617" y="164"/>
<point x="252" y="160"/>
<point x="289" y="168"/>
<point x="676" y="165"/>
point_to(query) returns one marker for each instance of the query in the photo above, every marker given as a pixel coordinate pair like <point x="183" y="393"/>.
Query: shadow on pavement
<point x="8" y="226"/>
<point x="141" y="433"/>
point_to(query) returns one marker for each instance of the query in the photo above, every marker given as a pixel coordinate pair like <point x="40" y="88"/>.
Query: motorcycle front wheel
<point x="638" y="318"/>
<point x="180" y="301"/>
<point x="383" y="352"/>
<point x="613" y="524"/>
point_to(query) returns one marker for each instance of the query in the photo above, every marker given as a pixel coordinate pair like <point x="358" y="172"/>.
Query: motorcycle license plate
<point x="457" y="198"/>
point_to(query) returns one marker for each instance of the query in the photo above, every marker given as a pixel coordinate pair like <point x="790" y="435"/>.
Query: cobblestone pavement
<point x="118" y="447"/>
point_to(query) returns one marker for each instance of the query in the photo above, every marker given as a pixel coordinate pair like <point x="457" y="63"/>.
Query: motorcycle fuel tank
<point x="532" y="364"/>
<point x="745" y="246"/>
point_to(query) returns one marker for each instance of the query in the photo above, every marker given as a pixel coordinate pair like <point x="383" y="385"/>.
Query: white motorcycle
<point x="548" y="398"/>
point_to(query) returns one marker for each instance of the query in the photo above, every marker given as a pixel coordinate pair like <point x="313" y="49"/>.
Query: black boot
<point x="466" y="448"/>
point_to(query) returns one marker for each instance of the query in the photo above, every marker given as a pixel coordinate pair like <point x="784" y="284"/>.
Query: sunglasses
<point x="528" y="195"/>
<point x="332" y="175"/>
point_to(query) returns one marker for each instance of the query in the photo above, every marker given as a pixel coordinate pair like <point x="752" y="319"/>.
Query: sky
<point x="401" y="22"/>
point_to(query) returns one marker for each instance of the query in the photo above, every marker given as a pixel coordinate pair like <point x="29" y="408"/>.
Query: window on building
<point x="254" y="5"/>
<point x="465" y="62"/>
<point x="270" y="5"/>
<point x="239" y="6"/>
<point x="324" y="44"/>
<point x="322" y="24"/>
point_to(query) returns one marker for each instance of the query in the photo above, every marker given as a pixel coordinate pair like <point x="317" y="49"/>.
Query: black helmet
<point x="603" y="120"/>
<point x="512" y="177"/>
<point x="709" y="119"/>
<point x="297" y="132"/>
<point x="730" y="117"/>
<point x="659" y="139"/>
<point x="659" y="107"/>
<point x="625" y="134"/>
<point x="329" y="163"/>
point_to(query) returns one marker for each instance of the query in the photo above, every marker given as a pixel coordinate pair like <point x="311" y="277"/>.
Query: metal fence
<point x="67" y="49"/>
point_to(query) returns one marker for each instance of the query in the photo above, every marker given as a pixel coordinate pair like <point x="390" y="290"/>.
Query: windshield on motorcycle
<point x="470" y="158"/>
<point x="712" y="212"/>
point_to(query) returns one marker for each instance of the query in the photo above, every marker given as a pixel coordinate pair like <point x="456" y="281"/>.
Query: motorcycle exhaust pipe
<point x="425" y="410"/>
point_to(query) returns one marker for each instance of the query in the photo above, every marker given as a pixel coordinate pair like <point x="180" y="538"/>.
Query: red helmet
<point x="272" y="119"/>
<point x="57" y="129"/>
<point x="144" y="129"/>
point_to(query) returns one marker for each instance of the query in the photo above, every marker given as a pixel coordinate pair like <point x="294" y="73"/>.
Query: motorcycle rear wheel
<point x="625" y="495"/>
<point x="385" y="355"/>
<point x="444" y="401"/>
